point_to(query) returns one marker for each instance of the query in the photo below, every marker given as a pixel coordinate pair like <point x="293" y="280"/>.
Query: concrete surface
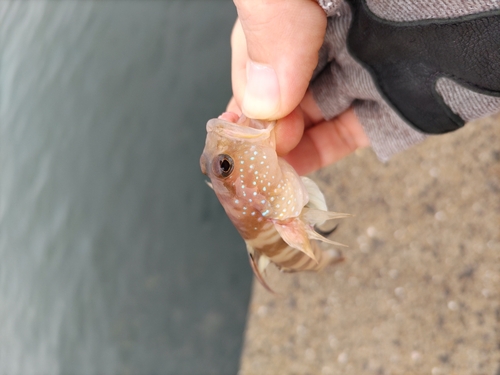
<point x="418" y="292"/>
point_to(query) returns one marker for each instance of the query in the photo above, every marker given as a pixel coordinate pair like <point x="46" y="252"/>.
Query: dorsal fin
<point x="316" y="197"/>
<point x="315" y="217"/>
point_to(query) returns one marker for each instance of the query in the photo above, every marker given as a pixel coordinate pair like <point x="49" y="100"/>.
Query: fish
<point x="273" y="208"/>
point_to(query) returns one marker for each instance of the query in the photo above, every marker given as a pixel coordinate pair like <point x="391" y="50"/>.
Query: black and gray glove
<point x="409" y="69"/>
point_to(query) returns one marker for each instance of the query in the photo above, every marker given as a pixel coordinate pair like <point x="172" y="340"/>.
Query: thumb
<point x="275" y="48"/>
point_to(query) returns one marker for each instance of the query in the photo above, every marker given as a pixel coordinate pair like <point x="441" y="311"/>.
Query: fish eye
<point x="223" y="165"/>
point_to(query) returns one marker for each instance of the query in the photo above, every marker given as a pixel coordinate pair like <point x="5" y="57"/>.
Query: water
<point x="114" y="255"/>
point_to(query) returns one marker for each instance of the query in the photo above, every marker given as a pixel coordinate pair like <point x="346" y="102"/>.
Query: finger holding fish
<point x="288" y="130"/>
<point x="309" y="142"/>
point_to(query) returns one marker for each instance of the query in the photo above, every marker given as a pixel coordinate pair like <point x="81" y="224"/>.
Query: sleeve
<point x="409" y="70"/>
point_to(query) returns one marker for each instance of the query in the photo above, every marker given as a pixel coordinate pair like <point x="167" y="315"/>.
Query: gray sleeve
<point x="340" y="81"/>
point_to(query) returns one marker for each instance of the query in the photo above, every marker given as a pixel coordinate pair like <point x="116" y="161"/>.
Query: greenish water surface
<point x="115" y="257"/>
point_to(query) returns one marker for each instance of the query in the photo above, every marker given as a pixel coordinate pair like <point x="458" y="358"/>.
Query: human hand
<point x="274" y="52"/>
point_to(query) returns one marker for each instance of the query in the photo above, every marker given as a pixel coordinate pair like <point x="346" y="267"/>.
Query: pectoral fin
<point x="263" y="263"/>
<point x="294" y="233"/>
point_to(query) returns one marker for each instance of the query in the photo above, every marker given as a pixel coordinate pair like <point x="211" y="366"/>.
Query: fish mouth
<point x="248" y="130"/>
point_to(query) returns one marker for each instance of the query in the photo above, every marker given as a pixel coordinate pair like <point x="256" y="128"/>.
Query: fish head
<point x="244" y="170"/>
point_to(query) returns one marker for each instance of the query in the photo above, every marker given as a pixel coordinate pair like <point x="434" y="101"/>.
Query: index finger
<point x="328" y="142"/>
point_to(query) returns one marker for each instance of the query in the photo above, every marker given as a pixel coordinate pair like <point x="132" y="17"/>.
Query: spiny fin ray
<point x="315" y="217"/>
<point x="316" y="236"/>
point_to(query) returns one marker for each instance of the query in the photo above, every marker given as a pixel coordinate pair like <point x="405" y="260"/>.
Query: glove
<point x="409" y="69"/>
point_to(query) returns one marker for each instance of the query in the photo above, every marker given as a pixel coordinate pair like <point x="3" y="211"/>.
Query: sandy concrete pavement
<point x="418" y="292"/>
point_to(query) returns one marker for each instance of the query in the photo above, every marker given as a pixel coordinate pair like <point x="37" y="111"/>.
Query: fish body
<point x="271" y="206"/>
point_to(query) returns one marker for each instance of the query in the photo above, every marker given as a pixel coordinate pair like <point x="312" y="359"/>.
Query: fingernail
<point x="262" y="93"/>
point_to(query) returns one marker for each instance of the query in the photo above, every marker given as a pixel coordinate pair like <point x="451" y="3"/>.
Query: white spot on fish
<point x="254" y="183"/>
<point x="236" y="201"/>
<point x="265" y="213"/>
<point x="254" y="193"/>
<point x="264" y="188"/>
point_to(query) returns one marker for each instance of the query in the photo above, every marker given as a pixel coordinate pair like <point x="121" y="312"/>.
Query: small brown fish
<point x="273" y="208"/>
